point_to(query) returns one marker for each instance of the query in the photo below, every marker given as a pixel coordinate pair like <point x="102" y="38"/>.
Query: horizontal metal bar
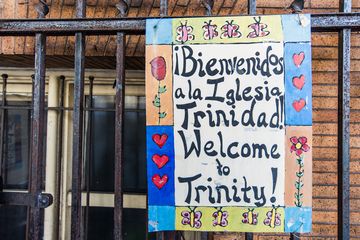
<point x="43" y="200"/>
<point x="335" y="22"/>
<point x="18" y="27"/>
<point x="71" y="26"/>
<point x="71" y="109"/>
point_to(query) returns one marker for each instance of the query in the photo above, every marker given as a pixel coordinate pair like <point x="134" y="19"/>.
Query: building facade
<point x="98" y="147"/>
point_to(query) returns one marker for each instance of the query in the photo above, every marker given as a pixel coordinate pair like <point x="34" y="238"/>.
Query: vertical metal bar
<point x="345" y="6"/>
<point x="77" y="154"/>
<point x="205" y="236"/>
<point x="344" y="128"/>
<point x="88" y="154"/>
<point x="37" y="120"/>
<point x="208" y="4"/>
<point x="249" y="236"/>
<point x="251" y="7"/>
<point x="294" y="236"/>
<point x="2" y="130"/>
<point x="60" y="145"/>
<point x="37" y="128"/>
<point x="119" y="126"/>
<point x="163" y="13"/>
<point x="163" y="8"/>
<point x="251" y="11"/>
<point x="170" y="235"/>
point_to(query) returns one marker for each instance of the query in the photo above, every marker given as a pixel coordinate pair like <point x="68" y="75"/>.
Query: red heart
<point x="299" y="82"/>
<point x="159" y="181"/>
<point x="298" y="58"/>
<point x="160" y="140"/>
<point x="160" y="161"/>
<point x="298" y="105"/>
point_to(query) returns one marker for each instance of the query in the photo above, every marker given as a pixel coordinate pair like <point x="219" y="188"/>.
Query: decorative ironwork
<point x="297" y="6"/>
<point x="208" y="4"/>
<point x="42" y="8"/>
<point x="123" y="8"/>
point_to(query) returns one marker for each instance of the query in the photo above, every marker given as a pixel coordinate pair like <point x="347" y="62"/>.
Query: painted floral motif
<point x="158" y="68"/>
<point x="220" y="218"/>
<point x="299" y="146"/>
<point x="210" y="31"/>
<point x="191" y="218"/>
<point x="158" y="71"/>
<point x="250" y="217"/>
<point x="184" y="33"/>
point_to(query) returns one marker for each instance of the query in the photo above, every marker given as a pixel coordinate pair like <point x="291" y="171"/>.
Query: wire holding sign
<point x="229" y="124"/>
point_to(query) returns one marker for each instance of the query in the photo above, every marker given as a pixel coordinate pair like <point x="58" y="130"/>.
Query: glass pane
<point x="134" y="149"/>
<point x="103" y="145"/>
<point x="17" y="149"/>
<point x="17" y="146"/>
<point x="101" y="222"/>
<point x="13" y="222"/>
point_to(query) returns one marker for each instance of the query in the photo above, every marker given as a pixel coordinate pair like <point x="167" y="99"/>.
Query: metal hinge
<point x="42" y="200"/>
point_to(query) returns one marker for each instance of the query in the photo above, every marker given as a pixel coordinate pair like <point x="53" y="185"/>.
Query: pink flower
<point x="299" y="145"/>
<point x="158" y="68"/>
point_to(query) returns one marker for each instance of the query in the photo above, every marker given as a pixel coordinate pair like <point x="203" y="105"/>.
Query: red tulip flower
<point x="158" y="68"/>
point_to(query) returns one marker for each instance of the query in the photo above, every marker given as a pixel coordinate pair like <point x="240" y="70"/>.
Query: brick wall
<point x="325" y="55"/>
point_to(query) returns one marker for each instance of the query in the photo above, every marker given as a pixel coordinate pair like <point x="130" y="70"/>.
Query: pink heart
<point x="159" y="181"/>
<point x="299" y="105"/>
<point x="299" y="82"/>
<point x="298" y="58"/>
<point x="160" y="161"/>
<point x="160" y="140"/>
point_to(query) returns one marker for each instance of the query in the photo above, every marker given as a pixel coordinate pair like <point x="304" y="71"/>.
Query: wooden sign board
<point x="229" y="123"/>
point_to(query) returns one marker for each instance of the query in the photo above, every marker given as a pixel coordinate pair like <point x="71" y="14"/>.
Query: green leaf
<point x="300" y="174"/>
<point x="156" y="101"/>
<point x="162" y="89"/>
<point x="162" y="115"/>
<point x="297" y="185"/>
<point x="301" y="195"/>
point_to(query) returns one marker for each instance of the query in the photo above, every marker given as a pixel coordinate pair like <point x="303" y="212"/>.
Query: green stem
<point x="159" y="108"/>
<point x="299" y="176"/>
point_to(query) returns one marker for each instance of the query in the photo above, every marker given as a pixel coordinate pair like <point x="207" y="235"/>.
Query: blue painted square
<point x="298" y="96"/>
<point x="293" y="30"/>
<point x="161" y="218"/>
<point x="298" y="220"/>
<point x="165" y="194"/>
<point x="159" y="31"/>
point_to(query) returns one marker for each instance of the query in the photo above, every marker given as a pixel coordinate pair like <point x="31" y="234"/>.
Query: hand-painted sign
<point x="229" y="123"/>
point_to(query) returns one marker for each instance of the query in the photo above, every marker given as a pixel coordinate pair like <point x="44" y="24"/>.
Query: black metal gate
<point x="343" y="23"/>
